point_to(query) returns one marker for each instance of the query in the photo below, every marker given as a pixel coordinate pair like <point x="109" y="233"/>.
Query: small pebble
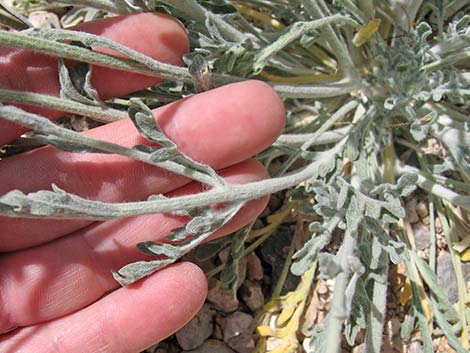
<point x="212" y="346"/>
<point x="415" y="347"/>
<point x="252" y="295"/>
<point x="222" y="298"/>
<point x="446" y="275"/>
<point x="422" y="209"/>
<point x="411" y="211"/>
<point x="254" y="268"/>
<point x="422" y="235"/>
<point x="236" y="324"/>
<point x="243" y="343"/>
<point x="359" y="349"/>
<point x="438" y="225"/>
<point x="195" y="332"/>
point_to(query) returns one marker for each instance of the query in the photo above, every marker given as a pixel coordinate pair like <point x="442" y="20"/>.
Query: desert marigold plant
<point x="368" y="86"/>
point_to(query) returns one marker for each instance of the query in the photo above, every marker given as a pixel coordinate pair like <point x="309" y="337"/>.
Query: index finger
<point x="156" y="35"/>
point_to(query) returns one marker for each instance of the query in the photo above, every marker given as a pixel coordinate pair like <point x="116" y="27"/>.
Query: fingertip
<point x="271" y="103"/>
<point x="244" y="118"/>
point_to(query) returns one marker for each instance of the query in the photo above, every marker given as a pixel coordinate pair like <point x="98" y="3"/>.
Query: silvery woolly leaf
<point x="316" y="227"/>
<point x="164" y="154"/>
<point x="200" y="73"/>
<point x="373" y="209"/>
<point x="395" y="254"/>
<point x="360" y="311"/>
<point x="430" y="278"/>
<point x="376" y="229"/>
<point x="57" y="203"/>
<point x="199" y="225"/>
<point x="307" y="255"/>
<point x="145" y="122"/>
<point x="137" y="270"/>
<point x="75" y="84"/>
<point x="407" y="326"/>
<point x="64" y="144"/>
<point x="354" y="213"/>
<point x="156" y="197"/>
<point x="377" y="253"/>
<point x="343" y="195"/>
<point x="406" y="184"/>
<point x="154" y="248"/>
<point x="419" y="131"/>
<point x="396" y="211"/>
<point x="447" y="329"/>
<point x="328" y="265"/>
<point x="390" y="102"/>
<point x="423" y="30"/>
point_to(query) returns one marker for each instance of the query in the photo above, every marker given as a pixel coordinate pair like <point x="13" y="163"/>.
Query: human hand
<point x="56" y="285"/>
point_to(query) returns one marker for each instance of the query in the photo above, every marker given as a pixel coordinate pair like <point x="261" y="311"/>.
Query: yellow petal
<point x="465" y="256"/>
<point x="406" y="293"/>
<point x="366" y="32"/>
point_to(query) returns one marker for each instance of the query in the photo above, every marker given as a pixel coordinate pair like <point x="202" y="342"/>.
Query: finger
<point x="219" y="127"/>
<point x="156" y="35"/>
<point x="57" y="278"/>
<point x="128" y="320"/>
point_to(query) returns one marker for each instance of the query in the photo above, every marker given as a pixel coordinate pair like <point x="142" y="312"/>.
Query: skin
<point x="56" y="289"/>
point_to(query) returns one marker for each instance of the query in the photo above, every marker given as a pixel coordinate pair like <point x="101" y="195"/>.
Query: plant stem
<point x="338" y="45"/>
<point x="103" y="114"/>
<point x="77" y="207"/>
<point x="325" y="138"/>
<point x="44" y="126"/>
<point x="295" y="32"/>
<point x="338" y="313"/>
<point x="150" y="68"/>
<point x="435" y="188"/>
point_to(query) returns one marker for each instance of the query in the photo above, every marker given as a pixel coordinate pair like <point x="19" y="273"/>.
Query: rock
<point x="422" y="209"/>
<point x="438" y="225"/>
<point x="254" y="268"/>
<point x="446" y="277"/>
<point x="426" y="220"/>
<point x="195" y="332"/>
<point x="252" y="295"/>
<point x="422" y="235"/>
<point x="236" y="324"/>
<point x="222" y="298"/>
<point x="359" y="349"/>
<point x="415" y="347"/>
<point x="219" y="324"/>
<point x="411" y="211"/>
<point x="212" y="346"/>
<point x="243" y="343"/>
